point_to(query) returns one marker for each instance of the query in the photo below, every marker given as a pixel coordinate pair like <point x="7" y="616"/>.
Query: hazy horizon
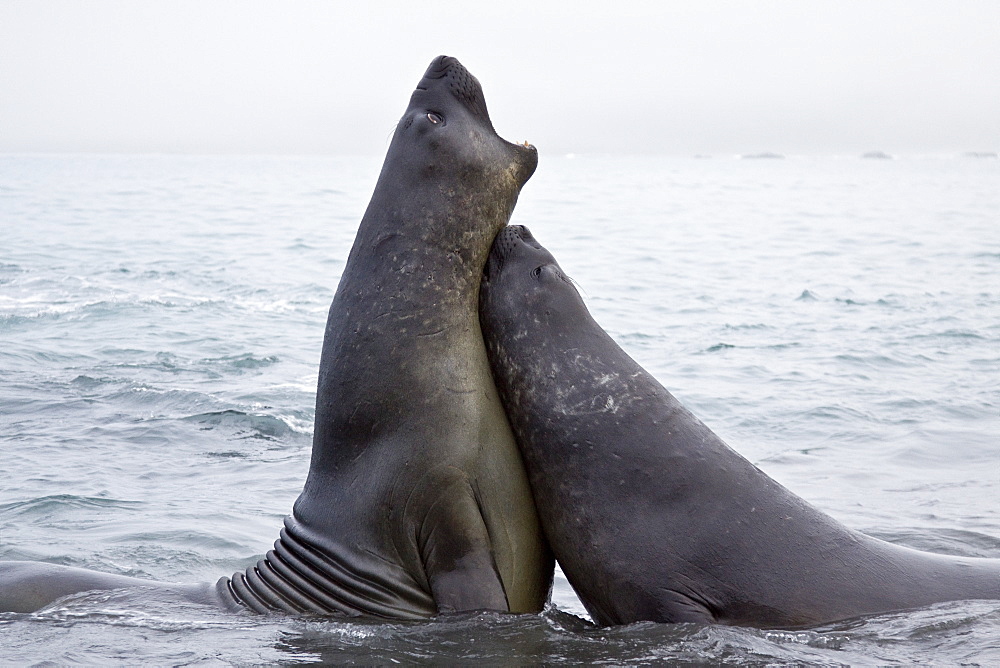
<point x="718" y="78"/>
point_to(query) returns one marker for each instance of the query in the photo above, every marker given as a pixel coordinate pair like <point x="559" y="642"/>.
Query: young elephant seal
<point x="650" y="514"/>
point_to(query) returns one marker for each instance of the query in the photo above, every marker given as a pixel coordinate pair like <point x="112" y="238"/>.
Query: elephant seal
<point x="650" y="514"/>
<point x="416" y="501"/>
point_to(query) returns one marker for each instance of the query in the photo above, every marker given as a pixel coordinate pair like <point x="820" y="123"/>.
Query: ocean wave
<point x="246" y="361"/>
<point x="90" y="383"/>
<point x="192" y="540"/>
<point x="245" y="425"/>
<point x="47" y="506"/>
<point x="871" y="360"/>
<point x="749" y="326"/>
<point x="958" y="542"/>
<point x="139" y="608"/>
<point x="947" y="334"/>
<point x="807" y="296"/>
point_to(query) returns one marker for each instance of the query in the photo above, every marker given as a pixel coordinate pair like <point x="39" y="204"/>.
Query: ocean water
<point x="836" y="320"/>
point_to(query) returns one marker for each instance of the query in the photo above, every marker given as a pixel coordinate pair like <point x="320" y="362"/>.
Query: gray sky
<point x="698" y="76"/>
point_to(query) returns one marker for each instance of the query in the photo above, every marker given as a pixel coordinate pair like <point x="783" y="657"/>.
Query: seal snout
<point x="438" y="68"/>
<point x="524" y="236"/>
<point x="504" y="244"/>
<point x="509" y="238"/>
<point x="447" y="73"/>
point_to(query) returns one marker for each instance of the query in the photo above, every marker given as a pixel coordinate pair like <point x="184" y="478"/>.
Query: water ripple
<point x="162" y="319"/>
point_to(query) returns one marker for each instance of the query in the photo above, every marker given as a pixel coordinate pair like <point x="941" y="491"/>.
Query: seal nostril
<point x="439" y="67"/>
<point x="465" y="88"/>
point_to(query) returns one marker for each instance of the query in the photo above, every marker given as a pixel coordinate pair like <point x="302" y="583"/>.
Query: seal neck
<point x="430" y="242"/>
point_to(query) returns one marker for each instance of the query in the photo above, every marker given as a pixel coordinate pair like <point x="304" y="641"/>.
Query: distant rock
<point x="877" y="155"/>
<point x="981" y="154"/>
<point x="762" y="156"/>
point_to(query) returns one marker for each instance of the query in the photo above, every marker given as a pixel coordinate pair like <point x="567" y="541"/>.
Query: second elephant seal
<point x="651" y="515"/>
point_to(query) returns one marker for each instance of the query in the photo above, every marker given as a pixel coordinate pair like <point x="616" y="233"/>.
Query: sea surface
<point x="835" y="319"/>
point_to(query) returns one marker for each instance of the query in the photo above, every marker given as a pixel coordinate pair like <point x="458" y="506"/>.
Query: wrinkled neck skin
<point x="421" y="246"/>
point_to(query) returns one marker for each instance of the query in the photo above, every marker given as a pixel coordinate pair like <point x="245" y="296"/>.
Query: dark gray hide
<point x="650" y="514"/>
<point x="417" y="501"/>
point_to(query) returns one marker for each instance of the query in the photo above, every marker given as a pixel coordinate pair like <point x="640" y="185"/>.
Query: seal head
<point x="447" y="127"/>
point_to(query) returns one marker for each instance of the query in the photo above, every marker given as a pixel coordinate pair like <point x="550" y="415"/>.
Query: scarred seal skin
<point x="416" y="501"/>
<point x="651" y="515"/>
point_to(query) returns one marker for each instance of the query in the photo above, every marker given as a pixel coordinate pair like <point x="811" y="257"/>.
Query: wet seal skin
<point x="651" y="515"/>
<point x="417" y="501"/>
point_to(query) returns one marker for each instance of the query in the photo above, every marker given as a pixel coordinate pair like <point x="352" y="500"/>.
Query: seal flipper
<point x="457" y="552"/>
<point x="29" y="586"/>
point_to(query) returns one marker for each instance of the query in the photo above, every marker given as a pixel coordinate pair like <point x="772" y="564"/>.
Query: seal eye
<point x="434" y="118"/>
<point x="536" y="272"/>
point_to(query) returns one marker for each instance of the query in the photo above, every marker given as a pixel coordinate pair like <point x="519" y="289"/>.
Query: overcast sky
<point x="698" y="76"/>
